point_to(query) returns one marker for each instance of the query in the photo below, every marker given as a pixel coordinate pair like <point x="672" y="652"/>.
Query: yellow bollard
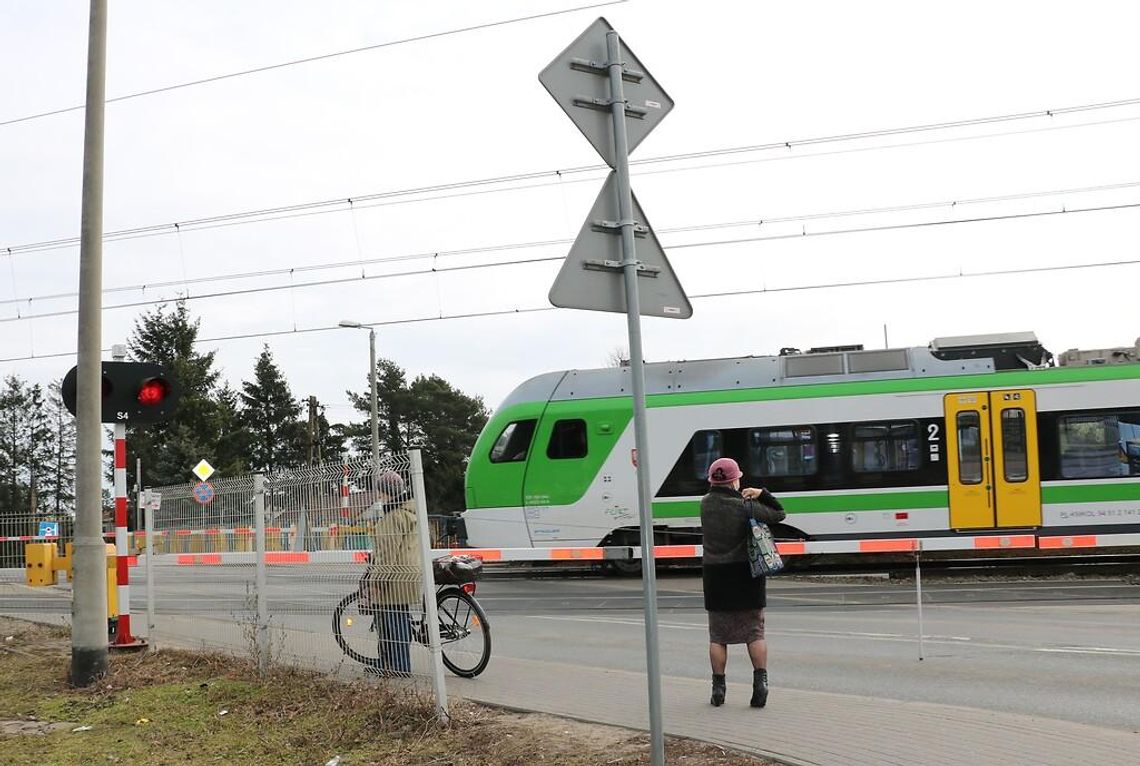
<point x="112" y="584"/>
<point x="273" y="539"/>
<point x="39" y="559"/>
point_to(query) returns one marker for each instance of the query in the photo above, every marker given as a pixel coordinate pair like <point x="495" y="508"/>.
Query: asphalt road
<point x="1066" y="650"/>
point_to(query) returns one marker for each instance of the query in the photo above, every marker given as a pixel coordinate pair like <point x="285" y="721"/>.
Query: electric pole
<point x="89" y="593"/>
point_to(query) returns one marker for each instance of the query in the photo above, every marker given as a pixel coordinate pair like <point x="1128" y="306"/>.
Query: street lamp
<point x="372" y="380"/>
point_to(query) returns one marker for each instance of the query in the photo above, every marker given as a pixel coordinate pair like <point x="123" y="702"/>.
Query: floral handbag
<point x="762" y="554"/>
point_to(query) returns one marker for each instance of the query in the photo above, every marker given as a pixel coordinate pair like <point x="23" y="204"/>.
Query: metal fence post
<point x="149" y="573"/>
<point x="918" y="594"/>
<point x="262" y="628"/>
<point x="431" y="614"/>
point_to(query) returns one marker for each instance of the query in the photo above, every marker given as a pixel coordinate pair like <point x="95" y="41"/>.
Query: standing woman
<point x="734" y="599"/>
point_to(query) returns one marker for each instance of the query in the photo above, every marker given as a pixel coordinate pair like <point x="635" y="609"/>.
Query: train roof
<point x="960" y="355"/>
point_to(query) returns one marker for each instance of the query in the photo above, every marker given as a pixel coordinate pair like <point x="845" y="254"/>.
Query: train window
<point x="1100" y="446"/>
<point x="707" y="447"/>
<point x="567" y="440"/>
<point x="514" y="442"/>
<point x="1015" y="456"/>
<point x="782" y="452"/>
<point x="885" y="447"/>
<point x="969" y="447"/>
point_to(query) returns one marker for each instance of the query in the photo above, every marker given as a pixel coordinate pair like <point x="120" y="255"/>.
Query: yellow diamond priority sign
<point x="203" y="470"/>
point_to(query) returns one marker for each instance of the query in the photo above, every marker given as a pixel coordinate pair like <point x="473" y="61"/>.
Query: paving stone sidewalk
<point x="805" y="728"/>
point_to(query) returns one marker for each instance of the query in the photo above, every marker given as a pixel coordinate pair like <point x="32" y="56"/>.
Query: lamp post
<point x="372" y="380"/>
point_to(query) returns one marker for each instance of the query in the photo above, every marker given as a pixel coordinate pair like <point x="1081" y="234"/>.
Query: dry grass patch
<point x="174" y="707"/>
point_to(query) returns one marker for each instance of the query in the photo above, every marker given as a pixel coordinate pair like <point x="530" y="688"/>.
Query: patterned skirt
<point x="736" y="627"/>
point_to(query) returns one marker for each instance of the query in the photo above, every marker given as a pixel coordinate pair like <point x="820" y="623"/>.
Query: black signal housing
<point x="133" y="392"/>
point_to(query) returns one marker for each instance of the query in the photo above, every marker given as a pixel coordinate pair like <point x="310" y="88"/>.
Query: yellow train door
<point x="1017" y="484"/>
<point x="992" y="465"/>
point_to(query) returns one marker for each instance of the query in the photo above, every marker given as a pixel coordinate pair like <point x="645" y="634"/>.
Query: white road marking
<point x="894" y="637"/>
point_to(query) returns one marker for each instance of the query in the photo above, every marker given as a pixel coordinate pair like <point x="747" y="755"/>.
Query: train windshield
<point x="514" y="442"/>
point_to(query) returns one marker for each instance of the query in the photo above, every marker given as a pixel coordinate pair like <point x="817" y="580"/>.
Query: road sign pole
<point x="637" y="373"/>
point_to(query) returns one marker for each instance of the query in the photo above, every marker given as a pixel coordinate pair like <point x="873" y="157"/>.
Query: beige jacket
<point x="394" y="576"/>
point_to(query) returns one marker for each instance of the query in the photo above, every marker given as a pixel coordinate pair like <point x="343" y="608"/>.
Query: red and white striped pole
<point x="123" y="637"/>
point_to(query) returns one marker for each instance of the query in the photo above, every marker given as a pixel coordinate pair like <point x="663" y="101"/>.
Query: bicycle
<point x="464" y="632"/>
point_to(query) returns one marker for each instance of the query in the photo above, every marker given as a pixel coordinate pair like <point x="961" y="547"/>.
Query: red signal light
<point x="153" y="391"/>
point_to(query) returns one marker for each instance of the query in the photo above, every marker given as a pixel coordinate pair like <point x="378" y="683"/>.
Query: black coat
<point x="727" y="578"/>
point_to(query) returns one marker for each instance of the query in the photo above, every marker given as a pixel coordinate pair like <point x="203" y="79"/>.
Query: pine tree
<point x="170" y="449"/>
<point x="392" y="408"/>
<point x="232" y="453"/>
<point x="446" y="423"/>
<point x="37" y="448"/>
<point x="270" y="415"/>
<point x="59" y="483"/>
<point x="430" y="414"/>
<point x="13" y="447"/>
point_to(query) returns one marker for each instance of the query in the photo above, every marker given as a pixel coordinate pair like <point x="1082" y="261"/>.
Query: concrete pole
<point x="89" y="592"/>
<point x="637" y="378"/>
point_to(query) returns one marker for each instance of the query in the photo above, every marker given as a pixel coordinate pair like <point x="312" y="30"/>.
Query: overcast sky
<point x="468" y="106"/>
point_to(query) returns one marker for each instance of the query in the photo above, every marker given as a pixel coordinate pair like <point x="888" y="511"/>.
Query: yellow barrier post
<point x="62" y="562"/>
<point x="112" y="587"/>
<point x="39" y="560"/>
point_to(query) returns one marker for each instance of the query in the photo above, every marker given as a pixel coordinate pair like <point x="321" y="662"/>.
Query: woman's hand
<point x="751" y="493"/>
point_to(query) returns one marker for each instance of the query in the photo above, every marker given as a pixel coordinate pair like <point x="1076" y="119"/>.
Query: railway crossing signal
<point x="133" y="392"/>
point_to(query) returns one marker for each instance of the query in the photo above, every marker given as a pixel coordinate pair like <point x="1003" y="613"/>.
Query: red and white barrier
<point x="1088" y="541"/>
<point x="123" y="637"/>
<point x="593" y="553"/>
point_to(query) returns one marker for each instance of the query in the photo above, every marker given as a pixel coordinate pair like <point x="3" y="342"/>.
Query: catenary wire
<point x="500" y="264"/>
<point x="337" y="204"/>
<point x="535" y="244"/>
<point x="311" y="59"/>
<point x="697" y="296"/>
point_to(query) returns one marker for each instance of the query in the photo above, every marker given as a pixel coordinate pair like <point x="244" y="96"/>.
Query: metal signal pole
<point x="89" y="600"/>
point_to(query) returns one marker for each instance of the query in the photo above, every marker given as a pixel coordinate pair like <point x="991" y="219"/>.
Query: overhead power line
<point x="311" y="59"/>
<point x="360" y="263"/>
<point x="552" y="176"/>
<point x="518" y="262"/>
<point x="699" y="296"/>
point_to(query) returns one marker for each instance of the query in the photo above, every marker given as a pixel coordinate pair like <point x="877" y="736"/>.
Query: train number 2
<point x="932" y="439"/>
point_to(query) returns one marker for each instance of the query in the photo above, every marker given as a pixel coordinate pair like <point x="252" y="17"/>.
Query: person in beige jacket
<point x="394" y="578"/>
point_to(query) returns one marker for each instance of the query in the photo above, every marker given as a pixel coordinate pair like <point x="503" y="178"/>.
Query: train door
<point x="991" y="445"/>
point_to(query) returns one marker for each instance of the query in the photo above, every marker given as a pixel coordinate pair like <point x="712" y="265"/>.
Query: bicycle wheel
<point x="464" y="633"/>
<point x="355" y="631"/>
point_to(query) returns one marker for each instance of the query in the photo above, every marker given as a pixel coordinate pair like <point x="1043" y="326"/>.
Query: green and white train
<point x="967" y="435"/>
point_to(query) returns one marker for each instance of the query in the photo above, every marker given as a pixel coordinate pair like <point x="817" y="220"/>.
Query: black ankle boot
<point x="759" y="688"/>
<point x="717" y="690"/>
